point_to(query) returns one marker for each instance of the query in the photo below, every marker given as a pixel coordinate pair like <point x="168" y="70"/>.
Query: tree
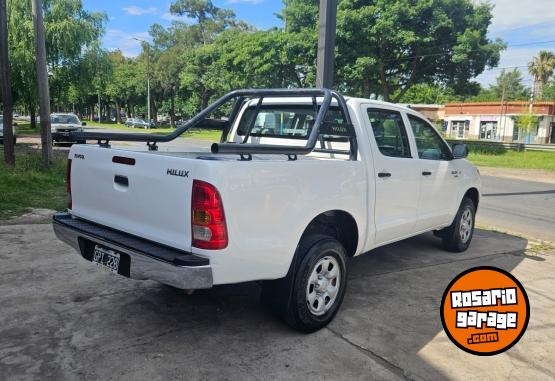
<point x="120" y="86"/>
<point x="387" y="46"/>
<point x="525" y="122"/>
<point x="508" y="87"/>
<point x="541" y="68"/>
<point x="549" y="90"/>
<point x="210" y="19"/>
<point x="425" y="93"/>
<point x="69" y="30"/>
<point x="264" y="59"/>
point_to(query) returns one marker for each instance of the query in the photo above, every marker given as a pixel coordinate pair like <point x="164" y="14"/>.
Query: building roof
<point x="499" y="108"/>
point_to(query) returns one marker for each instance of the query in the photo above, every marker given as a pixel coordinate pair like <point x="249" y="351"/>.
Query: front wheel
<point x="458" y="235"/>
<point x="318" y="286"/>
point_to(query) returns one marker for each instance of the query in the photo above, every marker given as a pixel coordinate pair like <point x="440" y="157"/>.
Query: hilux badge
<point x="177" y="172"/>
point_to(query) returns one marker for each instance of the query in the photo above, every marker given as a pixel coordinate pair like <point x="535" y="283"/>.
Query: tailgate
<point x="149" y="195"/>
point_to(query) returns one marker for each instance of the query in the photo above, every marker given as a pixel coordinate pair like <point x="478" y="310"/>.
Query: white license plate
<point x="106" y="259"/>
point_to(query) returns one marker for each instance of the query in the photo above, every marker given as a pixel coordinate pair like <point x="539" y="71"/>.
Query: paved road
<point x="63" y="319"/>
<point x="520" y="206"/>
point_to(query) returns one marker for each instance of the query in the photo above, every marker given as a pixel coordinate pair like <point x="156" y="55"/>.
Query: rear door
<point x="396" y="174"/>
<point x="440" y="175"/>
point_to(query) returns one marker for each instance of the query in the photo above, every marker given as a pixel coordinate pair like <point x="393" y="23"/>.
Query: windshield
<point x="289" y="121"/>
<point x="65" y="119"/>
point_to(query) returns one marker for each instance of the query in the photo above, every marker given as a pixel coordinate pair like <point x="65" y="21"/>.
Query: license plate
<point x="106" y="259"/>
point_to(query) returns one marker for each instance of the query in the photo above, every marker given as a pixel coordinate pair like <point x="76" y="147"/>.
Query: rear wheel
<point x="458" y="235"/>
<point x="314" y="288"/>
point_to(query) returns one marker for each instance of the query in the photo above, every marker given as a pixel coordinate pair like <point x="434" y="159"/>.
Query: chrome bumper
<point x="143" y="265"/>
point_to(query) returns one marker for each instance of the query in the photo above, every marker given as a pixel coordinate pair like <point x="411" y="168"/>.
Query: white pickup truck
<point x="302" y="180"/>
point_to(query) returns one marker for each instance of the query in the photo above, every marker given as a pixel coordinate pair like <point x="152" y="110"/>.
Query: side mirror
<point x="460" y="151"/>
<point x="83" y="123"/>
<point x="15" y="124"/>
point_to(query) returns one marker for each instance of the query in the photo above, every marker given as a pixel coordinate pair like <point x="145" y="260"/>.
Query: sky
<point x="526" y="26"/>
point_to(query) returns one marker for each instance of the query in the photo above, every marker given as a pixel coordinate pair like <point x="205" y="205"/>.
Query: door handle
<point x="121" y="180"/>
<point x="384" y="174"/>
<point x="426" y="173"/>
<point x="454" y="172"/>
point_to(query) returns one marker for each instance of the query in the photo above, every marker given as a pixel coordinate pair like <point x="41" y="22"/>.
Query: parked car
<point x="2" y="130"/>
<point x="63" y="124"/>
<point x="138" y="123"/>
<point x="304" y="180"/>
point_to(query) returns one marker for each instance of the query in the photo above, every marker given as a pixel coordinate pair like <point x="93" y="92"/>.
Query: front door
<point x="440" y="176"/>
<point x="396" y="173"/>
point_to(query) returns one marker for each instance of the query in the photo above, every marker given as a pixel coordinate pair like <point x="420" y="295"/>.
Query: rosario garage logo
<point x="485" y="311"/>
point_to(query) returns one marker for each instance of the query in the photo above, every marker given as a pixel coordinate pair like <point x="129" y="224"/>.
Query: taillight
<point x="68" y="184"/>
<point x="208" y="225"/>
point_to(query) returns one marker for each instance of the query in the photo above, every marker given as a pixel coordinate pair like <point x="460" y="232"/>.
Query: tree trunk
<point x="118" y="111"/>
<point x="108" y="111"/>
<point x="172" y="109"/>
<point x="9" y="149"/>
<point x="42" y="79"/>
<point x="32" y="114"/>
<point x="205" y="99"/>
<point x="154" y="111"/>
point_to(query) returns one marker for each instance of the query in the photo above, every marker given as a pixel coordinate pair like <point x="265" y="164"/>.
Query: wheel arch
<point x="338" y="224"/>
<point x="474" y="195"/>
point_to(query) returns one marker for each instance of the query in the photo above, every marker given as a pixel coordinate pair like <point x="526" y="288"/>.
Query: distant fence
<point x="540" y="147"/>
<point x="484" y="146"/>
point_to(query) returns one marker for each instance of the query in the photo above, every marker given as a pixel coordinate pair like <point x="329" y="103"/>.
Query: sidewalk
<point x="537" y="175"/>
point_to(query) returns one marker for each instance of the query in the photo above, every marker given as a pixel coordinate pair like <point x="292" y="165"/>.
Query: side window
<point x="389" y="132"/>
<point x="428" y="142"/>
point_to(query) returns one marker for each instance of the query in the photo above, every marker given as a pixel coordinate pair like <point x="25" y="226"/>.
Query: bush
<point x="477" y="146"/>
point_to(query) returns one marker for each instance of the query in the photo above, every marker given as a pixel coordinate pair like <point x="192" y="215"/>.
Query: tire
<point x="458" y="235"/>
<point x="320" y="262"/>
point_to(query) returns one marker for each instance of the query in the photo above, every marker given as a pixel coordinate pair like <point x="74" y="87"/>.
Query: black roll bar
<point x="235" y="148"/>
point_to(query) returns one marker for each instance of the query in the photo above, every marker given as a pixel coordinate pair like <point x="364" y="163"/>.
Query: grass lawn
<point x="30" y="185"/>
<point x="195" y="133"/>
<point x="24" y="129"/>
<point x="513" y="159"/>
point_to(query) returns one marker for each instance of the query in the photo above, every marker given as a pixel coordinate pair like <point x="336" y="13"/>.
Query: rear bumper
<point x="148" y="260"/>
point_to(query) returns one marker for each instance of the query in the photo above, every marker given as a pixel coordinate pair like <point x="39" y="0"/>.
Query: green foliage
<point x="526" y="122"/>
<point x="549" y="90"/>
<point x="385" y="47"/>
<point x="481" y="147"/>
<point x="508" y="87"/>
<point x="429" y="94"/>
<point x="410" y="51"/>
<point x="541" y="68"/>
<point x="69" y="30"/>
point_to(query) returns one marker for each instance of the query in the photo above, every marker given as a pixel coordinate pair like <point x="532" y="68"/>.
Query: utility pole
<point x="42" y="78"/>
<point x="145" y="43"/>
<point x="503" y="112"/>
<point x="326" y="44"/>
<point x="9" y="152"/>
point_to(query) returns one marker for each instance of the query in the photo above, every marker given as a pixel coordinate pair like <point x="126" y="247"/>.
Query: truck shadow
<point x="390" y="313"/>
